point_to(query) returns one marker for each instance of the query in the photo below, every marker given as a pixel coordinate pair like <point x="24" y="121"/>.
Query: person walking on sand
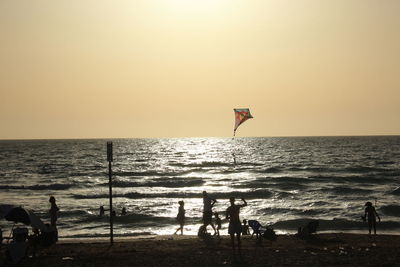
<point x="180" y="217"/>
<point x="53" y="211"/>
<point x="208" y="203"/>
<point x="235" y="226"/>
<point x="371" y="214"/>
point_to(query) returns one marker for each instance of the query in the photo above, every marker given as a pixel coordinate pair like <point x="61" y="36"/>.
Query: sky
<point x="178" y="68"/>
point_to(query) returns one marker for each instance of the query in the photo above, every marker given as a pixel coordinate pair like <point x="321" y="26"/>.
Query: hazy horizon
<point x="178" y="68"/>
<point x="200" y="137"/>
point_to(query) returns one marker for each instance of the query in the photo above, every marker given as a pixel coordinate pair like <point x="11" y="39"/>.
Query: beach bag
<point x="20" y="234"/>
<point x="311" y="227"/>
<point x="48" y="238"/>
<point x="202" y="233"/>
<point x="269" y="234"/>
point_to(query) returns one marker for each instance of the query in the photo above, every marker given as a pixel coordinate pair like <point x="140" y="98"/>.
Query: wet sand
<point x="288" y="250"/>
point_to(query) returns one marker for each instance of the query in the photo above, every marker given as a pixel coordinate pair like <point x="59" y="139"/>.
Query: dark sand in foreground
<point x="321" y="250"/>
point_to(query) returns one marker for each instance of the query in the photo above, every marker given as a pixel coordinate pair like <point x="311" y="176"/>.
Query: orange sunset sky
<point x="177" y="68"/>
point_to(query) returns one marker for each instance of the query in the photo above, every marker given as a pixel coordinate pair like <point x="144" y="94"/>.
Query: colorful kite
<point x="241" y="115"/>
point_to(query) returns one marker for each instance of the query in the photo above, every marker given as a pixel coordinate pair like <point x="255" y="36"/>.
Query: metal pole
<point x="110" y="159"/>
<point x="111" y="206"/>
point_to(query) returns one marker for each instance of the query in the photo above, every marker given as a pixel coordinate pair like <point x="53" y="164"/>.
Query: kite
<point x="241" y="115"/>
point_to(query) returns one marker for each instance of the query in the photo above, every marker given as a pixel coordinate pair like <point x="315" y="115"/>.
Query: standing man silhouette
<point x="235" y="225"/>
<point x="208" y="203"/>
<point x="371" y="214"/>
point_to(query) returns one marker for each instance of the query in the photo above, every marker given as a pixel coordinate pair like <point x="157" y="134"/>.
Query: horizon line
<point x="188" y="137"/>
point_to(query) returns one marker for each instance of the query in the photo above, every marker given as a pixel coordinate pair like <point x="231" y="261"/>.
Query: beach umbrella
<point x="21" y="215"/>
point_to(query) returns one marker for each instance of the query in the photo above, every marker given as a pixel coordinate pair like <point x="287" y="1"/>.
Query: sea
<point x="286" y="181"/>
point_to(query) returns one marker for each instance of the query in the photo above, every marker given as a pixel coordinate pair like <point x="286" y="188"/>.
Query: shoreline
<point x="118" y="237"/>
<point x="333" y="249"/>
<point x="102" y="239"/>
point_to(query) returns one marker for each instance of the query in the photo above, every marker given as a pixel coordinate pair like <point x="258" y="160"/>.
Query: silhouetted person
<point x="113" y="213"/>
<point x="235" y="226"/>
<point x="53" y="211"/>
<point x="217" y="222"/>
<point x="123" y="212"/>
<point x="207" y="211"/>
<point x="180" y="217"/>
<point x="101" y="211"/>
<point x="371" y="214"/>
<point x="245" y="230"/>
<point x="34" y="241"/>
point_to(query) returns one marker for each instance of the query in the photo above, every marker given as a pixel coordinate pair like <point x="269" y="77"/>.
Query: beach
<point x="284" y="186"/>
<point x="332" y="249"/>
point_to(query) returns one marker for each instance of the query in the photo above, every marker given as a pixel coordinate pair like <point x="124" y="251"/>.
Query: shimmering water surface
<point x="286" y="181"/>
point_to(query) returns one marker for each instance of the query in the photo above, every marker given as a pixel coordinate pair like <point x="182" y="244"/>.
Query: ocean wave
<point x="279" y="186"/>
<point x="136" y="218"/>
<point x="385" y="162"/>
<point x="310" y="169"/>
<point x="288" y="186"/>
<point x="129" y="218"/>
<point x="332" y="178"/>
<point x="74" y="213"/>
<point x="284" y="180"/>
<point x="291" y="211"/>
<point x="204" y="164"/>
<point x="174" y="183"/>
<point x="391" y="210"/>
<point x="93" y="171"/>
<point x="150" y="173"/>
<point x="283" y="195"/>
<point x="253" y="184"/>
<point x="366" y="169"/>
<point x="392" y="173"/>
<point x="319" y="203"/>
<point x="54" y="168"/>
<point x="396" y="191"/>
<point x="347" y="170"/>
<point x="340" y="190"/>
<point x="334" y="224"/>
<point x="38" y="187"/>
<point x="270" y="170"/>
<point x="254" y="194"/>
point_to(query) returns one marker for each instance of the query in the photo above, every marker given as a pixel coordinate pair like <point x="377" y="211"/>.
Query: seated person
<point x="305" y="232"/>
<point x="245" y="228"/>
<point x="49" y="236"/>
<point x="34" y="241"/>
<point x="16" y="251"/>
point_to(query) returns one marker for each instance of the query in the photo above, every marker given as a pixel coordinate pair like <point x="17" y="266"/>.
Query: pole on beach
<point x="110" y="159"/>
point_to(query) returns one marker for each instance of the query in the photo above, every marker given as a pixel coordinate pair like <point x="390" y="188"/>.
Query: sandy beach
<point x="321" y="250"/>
